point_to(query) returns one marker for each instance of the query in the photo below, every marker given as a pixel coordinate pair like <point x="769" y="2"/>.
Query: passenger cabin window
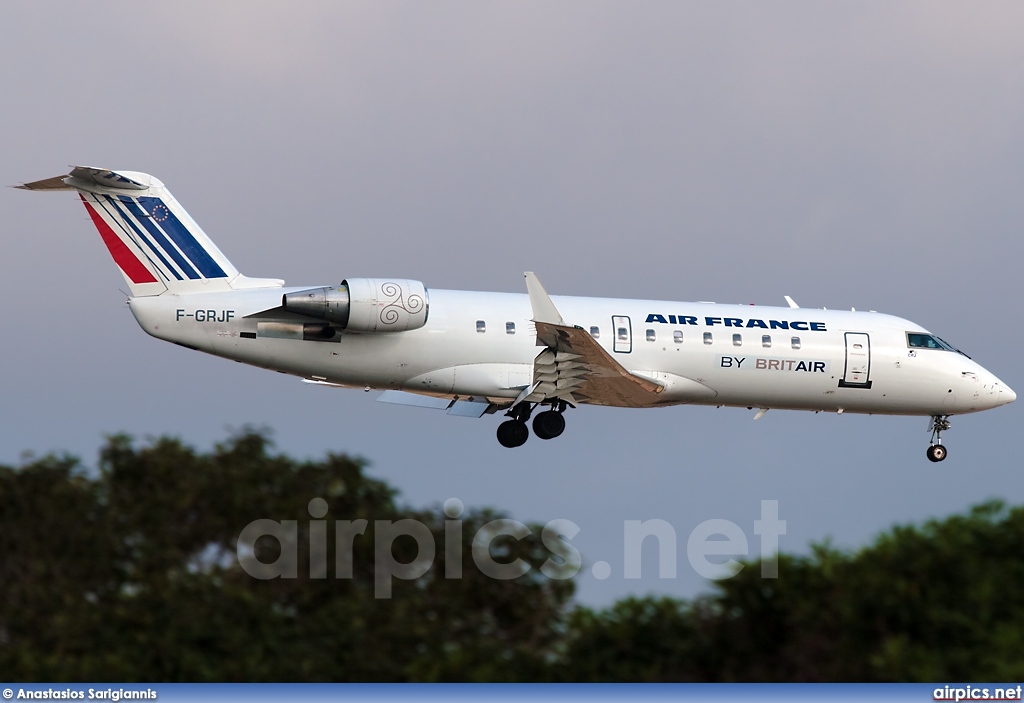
<point x="796" y="342"/>
<point x="510" y="328"/>
<point x="677" y="336"/>
<point x="737" y="340"/>
<point x="766" y="341"/>
<point x="481" y="326"/>
<point x="918" y="340"/>
<point x="595" y="332"/>
<point x="623" y="334"/>
<point x="651" y="336"/>
<point x="707" y="338"/>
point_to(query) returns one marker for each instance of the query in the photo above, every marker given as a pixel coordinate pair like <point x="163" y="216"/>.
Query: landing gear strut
<point x="546" y="425"/>
<point x="937" y="452"/>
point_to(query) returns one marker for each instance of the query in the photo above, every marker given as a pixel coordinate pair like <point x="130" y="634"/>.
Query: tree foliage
<point x="128" y="572"/>
<point x="937" y="602"/>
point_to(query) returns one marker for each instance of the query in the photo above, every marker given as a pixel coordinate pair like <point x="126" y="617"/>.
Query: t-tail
<point x="157" y="246"/>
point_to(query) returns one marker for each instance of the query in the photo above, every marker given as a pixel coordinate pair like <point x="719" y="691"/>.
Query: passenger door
<point x="623" y="331"/>
<point x="858" y="361"/>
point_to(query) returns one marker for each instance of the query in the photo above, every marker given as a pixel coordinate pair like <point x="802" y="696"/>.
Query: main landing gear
<point x="546" y="425"/>
<point x="940" y="423"/>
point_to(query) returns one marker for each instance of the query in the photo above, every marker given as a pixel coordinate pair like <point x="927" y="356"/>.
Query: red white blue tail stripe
<point x="156" y="244"/>
<point x="170" y="250"/>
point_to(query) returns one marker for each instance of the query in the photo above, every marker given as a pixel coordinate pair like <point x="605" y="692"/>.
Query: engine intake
<point x="365" y="304"/>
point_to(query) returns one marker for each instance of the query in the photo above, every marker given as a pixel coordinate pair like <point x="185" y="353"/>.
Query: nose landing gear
<point x="940" y="423"/>
<point x="546" y="425"/>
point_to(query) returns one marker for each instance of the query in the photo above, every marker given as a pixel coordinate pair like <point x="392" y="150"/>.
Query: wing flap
<point x="415" y="400"/>
<point x="584" y="371"/>
<point x="457" y="408"/>
<point x="574" y="367"/>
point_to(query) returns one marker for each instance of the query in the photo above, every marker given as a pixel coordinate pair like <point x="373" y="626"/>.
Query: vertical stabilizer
<point x="155" y="243"/>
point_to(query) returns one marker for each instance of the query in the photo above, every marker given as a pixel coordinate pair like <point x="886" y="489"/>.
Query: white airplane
<point x="474" y="353"/>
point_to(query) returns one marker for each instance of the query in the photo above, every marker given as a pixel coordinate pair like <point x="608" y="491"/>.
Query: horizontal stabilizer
<point x="55" y="183"/>
<point x="105" y="178"/>
<point x="88" y="178"/>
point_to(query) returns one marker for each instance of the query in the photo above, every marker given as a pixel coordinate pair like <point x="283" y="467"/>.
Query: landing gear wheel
<point x="939" y="424"/>
<point x="513" y="433"/>
<point x="548" y="424"/>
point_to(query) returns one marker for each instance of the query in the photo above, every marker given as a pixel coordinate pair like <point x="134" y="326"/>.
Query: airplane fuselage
<point x="483" y="345"/>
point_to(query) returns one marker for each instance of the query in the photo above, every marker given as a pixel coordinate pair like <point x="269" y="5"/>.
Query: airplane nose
<point x="1007" y="393"/>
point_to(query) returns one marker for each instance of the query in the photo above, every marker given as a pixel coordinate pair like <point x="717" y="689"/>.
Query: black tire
<point x="548" y="424"/>
<point x="936" y="452"/>
<point x="513" y="433"/>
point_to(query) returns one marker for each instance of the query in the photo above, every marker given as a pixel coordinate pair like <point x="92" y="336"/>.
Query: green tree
<point x="937" y="602"/>
<point x="129" y="573"/>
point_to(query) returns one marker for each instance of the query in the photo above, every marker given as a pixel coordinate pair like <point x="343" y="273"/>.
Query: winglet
<point x="543" y="309"/>
<point x="792" y="303"/>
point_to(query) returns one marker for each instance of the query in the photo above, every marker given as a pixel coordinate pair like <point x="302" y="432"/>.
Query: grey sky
<point x="861" y="155"/>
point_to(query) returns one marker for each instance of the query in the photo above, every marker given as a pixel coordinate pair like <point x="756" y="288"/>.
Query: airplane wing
<point x="574" y="367"/>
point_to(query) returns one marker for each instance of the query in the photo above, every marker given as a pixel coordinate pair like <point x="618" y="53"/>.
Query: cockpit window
<point x="919" y="340"/>
<point x="950" y="346"/>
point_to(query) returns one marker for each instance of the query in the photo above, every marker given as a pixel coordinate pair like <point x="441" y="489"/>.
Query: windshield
<point x="919" y="340"/>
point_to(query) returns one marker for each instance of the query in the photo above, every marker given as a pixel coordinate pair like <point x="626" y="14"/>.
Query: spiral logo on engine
<point x="392" y="311"/>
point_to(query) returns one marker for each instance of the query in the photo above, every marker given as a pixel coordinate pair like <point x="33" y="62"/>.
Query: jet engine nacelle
<point x="364" y="304"/>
